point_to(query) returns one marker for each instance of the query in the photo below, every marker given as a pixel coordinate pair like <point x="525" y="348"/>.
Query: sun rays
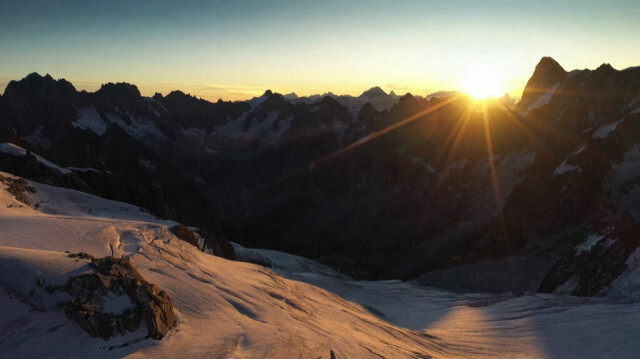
<point x="475" y="122"/>
<point x="484" y="80"/>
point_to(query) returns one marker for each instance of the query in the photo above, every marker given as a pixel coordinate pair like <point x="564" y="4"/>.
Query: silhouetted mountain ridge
<point x="334" y="178"/>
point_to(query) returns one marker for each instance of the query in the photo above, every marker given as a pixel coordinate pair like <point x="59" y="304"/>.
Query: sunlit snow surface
<point x="231" y="309"/>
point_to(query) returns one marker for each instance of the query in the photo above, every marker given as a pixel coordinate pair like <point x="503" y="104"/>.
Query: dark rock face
<point x="219" y="246"/>
<point x="592" y="269"/>
<point x="126" y="166"/>
<point x="52" y="99"/>
<point x="189" y="111"/>
<point x="547" y="73"/>
<point x="29" y="167"/>
<point x="117" y="280"/>
<point x="205" y="241"/>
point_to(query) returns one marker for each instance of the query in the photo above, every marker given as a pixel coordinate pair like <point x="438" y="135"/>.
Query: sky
<point x="237" y="49"/>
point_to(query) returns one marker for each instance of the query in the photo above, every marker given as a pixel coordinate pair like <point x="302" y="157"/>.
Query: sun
<point x="483" y="81"/>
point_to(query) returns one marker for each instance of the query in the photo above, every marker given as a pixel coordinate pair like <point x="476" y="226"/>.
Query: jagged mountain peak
<point x="548" y="73"/>
<point x="179" y="97"/>
<point x="606" y="67"/>
<point x="548" y="64"/>
<point x="36" y="75"/>
<point x="267" y="93"/>
<point x="119" y="89"/>
<point x="408" y="97"/>
<point x="274" y="102"/>
<point x="34" y="82"/>
<point x="329" y="100"/>
<point x="176" y="94"/>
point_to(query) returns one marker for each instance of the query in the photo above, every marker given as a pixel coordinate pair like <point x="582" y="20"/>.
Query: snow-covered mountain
<point x="429" y="188"/>
<point x="228" y="309"/>
<point x="374" y="96"/>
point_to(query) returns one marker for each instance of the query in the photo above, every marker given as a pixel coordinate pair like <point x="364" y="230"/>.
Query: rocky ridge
<point x="116" y="280"/>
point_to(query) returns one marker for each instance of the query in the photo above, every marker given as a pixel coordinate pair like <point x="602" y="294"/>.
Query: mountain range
<point x="379" y="186"/>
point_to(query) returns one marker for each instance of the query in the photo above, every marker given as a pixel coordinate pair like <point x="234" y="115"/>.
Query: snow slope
<point x="493" y="325"/>
<point x="229" y="309"/>
<point x="224" y="308"/>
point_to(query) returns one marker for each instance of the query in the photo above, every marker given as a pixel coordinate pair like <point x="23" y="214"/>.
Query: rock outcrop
<point x="205" y="241"/>
<point x="18" y="187"/>
<point x="116" y="299"/>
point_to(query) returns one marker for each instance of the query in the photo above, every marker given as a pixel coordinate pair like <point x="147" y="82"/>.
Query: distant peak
<point x="374" y="91"/>
<point x="408" y="97"/>
<point x="547" y="76"/>
<point x="119" y="89"/>
<point x="175" y="93"/>
<point x="34" y="81"/>
<point x="605" y="67"/>
<point x="548" y="65"/>
<point x="548" y="72"/>
<point x="34" y="75"/>
<point x="329" y="100"/>
<point x="267" y="93"/>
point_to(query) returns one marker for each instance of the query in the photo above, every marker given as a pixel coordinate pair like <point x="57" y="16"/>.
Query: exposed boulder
<point x="116" y="299"/>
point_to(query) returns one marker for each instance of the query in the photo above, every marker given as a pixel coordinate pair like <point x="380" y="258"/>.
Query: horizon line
<point x="251" y="93"/>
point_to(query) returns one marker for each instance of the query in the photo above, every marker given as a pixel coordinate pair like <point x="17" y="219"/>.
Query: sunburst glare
<point x="483" y="81"/>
